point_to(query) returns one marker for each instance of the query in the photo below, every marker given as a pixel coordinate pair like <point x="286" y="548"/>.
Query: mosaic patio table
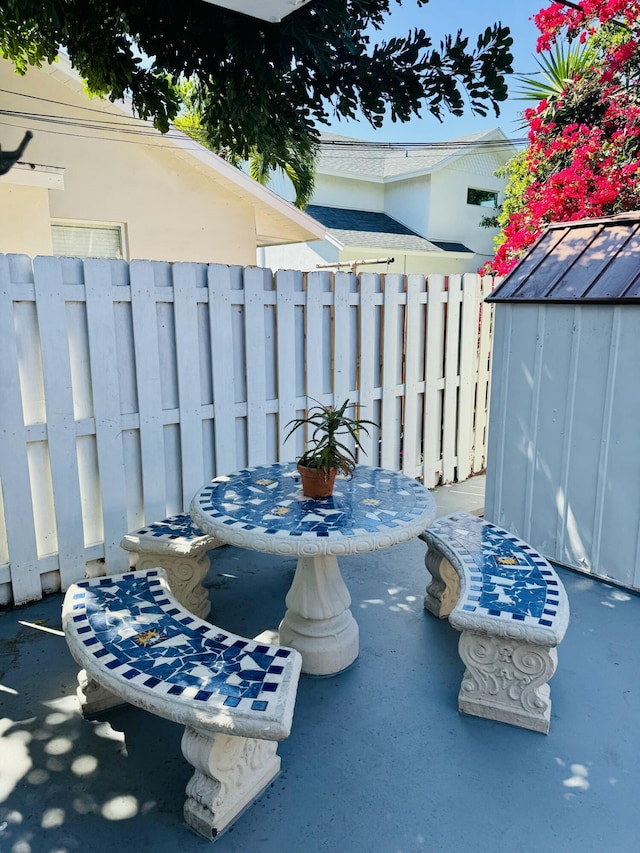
<point x="263" y="509"/>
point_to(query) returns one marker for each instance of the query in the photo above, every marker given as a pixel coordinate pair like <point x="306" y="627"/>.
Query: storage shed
<point x="563" y="461"/>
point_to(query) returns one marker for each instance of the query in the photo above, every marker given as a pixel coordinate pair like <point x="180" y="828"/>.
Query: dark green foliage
<point x="262" y="85"/>
<point x="328" y="427"/>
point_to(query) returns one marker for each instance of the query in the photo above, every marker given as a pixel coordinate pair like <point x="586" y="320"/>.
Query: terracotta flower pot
<point x="317" y="483"/>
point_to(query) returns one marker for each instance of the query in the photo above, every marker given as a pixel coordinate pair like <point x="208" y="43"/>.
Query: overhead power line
<point x="137" y="127"/>
<point x="451" y="144"/>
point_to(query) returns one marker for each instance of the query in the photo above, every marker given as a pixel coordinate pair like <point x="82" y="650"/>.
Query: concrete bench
<point x="180" y="548"/>
<point x="512" y="610"/>
<point x="234" y="696"/>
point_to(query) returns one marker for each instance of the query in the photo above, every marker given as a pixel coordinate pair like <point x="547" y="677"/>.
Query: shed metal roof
<point x="589" y="261"/>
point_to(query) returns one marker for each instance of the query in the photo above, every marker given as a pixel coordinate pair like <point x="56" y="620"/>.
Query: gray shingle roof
<point x="366" y="228"/>
<point x="346" y="155"/>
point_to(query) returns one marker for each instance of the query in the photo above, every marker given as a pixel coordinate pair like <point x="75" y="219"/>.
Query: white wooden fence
<point x="125" y="387"/>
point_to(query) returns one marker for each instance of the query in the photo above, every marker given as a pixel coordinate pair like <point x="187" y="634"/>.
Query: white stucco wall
<point x="408" y="263"/>
<point x="408" y="202"/>
<point x="25" y="226"/>
<point x="451" y="218"/>
<point x="348" y="193"/>
<point x="298" y="256"/>
<point x="172" y="210"/>
<point x="307" y="256"/>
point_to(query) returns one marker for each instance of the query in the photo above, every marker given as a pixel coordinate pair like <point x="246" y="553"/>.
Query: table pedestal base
<point x="318" y="622"/>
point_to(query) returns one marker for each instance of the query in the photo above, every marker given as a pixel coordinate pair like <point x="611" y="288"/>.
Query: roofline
<point x="436" y="252"/>
<point x="189" y="148"/>
<point x="267" y="198"/>
<point x="494" y="133"/>
<point x="353" y="176"/>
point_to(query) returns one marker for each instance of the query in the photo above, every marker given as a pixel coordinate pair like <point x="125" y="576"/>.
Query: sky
<point x="442" y="17"/>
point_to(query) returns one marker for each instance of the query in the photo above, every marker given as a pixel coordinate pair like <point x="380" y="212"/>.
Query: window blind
<point x="87" y="241"/>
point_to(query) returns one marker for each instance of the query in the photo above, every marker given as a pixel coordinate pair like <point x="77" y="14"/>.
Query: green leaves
<point x="559" y="67"/>
<point x="328" y="426"/>
<point x="261" y="87"/>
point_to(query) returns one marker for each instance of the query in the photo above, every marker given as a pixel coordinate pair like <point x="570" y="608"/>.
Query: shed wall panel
<point x="564" y="445"/>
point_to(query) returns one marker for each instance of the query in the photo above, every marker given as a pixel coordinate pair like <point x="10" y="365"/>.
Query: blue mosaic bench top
<point x="264" y="508"/>
<point x="507" y="588"/>
<point x="176" y="535"/>
<point x="132" y="637"/>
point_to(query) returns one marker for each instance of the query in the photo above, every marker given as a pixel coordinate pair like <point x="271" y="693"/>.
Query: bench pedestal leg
<point x="444" y="589"/>
<point x="93" y="697"/>
<point x="318" y="622"/>
<point x="506" y="680"/>
<point x="230" y="773"/>
<point x="185" y="576"/>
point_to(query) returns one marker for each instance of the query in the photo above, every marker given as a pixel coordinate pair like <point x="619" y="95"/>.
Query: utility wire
<point x="137" y="127"/>
<point x="367" y="149"/>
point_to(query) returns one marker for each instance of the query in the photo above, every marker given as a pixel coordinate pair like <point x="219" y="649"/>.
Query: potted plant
<point x="326" y="453"/>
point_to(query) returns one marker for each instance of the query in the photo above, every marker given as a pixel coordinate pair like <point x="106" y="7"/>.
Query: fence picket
<point x="255" y="282"/>
<point x="108" y="435"/>
<point x="451" y="379"/>
<point x="414" y="367"/>
<point x="342" y="348"/>
<point x="467" y="372"/>
<point x="14" y="467"/>
<point x="483" y="394"/>
<point x="432" y="455"/>
<point x="369" y="365"/>
<point x="61" y="433"/>
<point x="286" y="354"/>
<point x="318" y="284"/>
<point x="188" y="282"/>
<point x="223" y="367"/>
<point x="342" y="338"/>
<point x="392" y="345"/>
<point x="149" y="391"/>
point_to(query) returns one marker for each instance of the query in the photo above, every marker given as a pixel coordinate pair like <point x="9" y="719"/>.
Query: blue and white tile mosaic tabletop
<point x="264" y="509"/>
<point x="235" y="696"/>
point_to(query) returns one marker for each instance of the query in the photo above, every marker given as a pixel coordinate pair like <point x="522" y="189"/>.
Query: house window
<point x="87" y="240"/>
<point x="483" y="198"/>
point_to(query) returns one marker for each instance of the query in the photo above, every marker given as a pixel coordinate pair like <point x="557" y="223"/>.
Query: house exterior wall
<point x="409" y="202"/>
<point x="25" y="222"/>
<point x="404" y="262"/>
<point x="307" y="256"/>
<point x="298" y="256"/>
<point x="333" y="191"/>
<point x="172" y="211"/>
<point x="450" y="217"/>
<point x="433" y="205"/>
<point x="563" y="465"/>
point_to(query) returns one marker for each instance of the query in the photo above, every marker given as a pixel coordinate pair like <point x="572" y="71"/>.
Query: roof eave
<point x="294" y="224"/>
<point x="386" y="249"/>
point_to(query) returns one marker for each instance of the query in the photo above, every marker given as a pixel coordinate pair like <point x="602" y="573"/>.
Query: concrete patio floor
<point x="379" y="760"/>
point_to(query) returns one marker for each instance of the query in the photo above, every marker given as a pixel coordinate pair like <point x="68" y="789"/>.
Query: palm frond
<point x="558" y="68"/>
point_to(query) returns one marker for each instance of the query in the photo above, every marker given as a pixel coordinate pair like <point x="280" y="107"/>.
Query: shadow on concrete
<point x="379" y="759"/>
